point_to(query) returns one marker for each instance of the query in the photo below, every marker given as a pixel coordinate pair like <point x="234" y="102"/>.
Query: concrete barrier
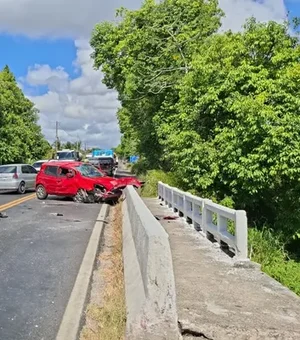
<point x="148" y="272"/>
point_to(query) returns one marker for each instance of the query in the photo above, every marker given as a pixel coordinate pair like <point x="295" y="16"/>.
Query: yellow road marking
<point x="16" y="202"/>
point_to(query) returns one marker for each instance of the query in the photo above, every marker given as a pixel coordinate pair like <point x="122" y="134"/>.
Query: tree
<point x="145" y="56"/>
<point x="240" y="102"/>
<point x="20" y="135"/>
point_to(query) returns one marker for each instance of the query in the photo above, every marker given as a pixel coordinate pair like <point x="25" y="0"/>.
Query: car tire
<point x="80" y="196"/>
<point x="41" y="192"/>
<point x="22" y="188"/>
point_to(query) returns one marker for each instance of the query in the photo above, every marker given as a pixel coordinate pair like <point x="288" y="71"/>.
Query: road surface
<point x="40" y="255"/>
<point x="9" y="196"/>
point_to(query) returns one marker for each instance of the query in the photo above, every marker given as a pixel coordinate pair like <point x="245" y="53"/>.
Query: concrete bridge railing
<point x="210" y="218"/>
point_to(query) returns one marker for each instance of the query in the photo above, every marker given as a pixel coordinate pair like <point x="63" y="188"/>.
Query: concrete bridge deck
<point x="219" y="301"/>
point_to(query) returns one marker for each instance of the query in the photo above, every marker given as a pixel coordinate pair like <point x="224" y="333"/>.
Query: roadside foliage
<point x="217" y="110"/>
<point x="21" y="139"/>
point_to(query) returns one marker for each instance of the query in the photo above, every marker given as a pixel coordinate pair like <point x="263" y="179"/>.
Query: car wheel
<point x="81" y="196"/>
<point x="41" y="192"/>
<point x="22" y="188"/>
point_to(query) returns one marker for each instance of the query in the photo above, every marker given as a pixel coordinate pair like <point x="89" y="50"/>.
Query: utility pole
<point x="56" y="137"/>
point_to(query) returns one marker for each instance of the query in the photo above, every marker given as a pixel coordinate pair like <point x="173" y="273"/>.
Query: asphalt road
<point x="40" y="255"/>
<point x="11" y="196"/>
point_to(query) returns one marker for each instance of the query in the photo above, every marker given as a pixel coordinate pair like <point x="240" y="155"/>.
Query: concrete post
<point x="241" y="234"/>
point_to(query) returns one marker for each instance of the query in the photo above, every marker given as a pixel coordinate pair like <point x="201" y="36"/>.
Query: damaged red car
<point x="79" y="180"/>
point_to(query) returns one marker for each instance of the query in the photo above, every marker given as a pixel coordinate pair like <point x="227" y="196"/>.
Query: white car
<point x="17" y="177"/>
<point x="37" y="165"/>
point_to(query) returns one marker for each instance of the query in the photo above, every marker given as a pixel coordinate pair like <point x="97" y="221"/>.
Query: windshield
<point x="87" y="170"/>
<point x="8" y="169"/>
<point x="65" y="155"/>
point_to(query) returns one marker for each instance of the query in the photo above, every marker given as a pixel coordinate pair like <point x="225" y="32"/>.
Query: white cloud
<point x="85" y="108"/>
<point x="57" y="18"/>
<point x="237" y="11"/>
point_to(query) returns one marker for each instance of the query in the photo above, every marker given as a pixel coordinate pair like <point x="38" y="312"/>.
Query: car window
<point x="51" y="170"/>
<point x="88" y="170"/>
<point x="38" y="164"/>
<point x="24" y="169"/>
<point x="31" y="169"/>
<point x="8" y="169"/>
<point x="62" y="172"/>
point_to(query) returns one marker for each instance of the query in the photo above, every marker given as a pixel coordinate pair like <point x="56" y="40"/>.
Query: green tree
<point x="145" y="56"/>
<point x="20" y="136"/>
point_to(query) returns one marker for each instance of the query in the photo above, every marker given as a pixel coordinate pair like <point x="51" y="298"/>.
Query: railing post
<point x="221" y="226"/>
<point x="171" y="205"/>
<point x="203" y="217"/>
<point x="241" y="234"/>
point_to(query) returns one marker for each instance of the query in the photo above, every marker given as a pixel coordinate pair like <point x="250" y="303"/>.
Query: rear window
<point x="51" y="170"/>
<point x="8" y="169"/>
<point x="106" y="161"/>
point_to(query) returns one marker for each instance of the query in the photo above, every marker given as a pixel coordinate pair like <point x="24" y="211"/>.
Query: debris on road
<point x="59" y="214"/>
<point x="166" y="217"/>
<point x="170" y="217"/>
<point x="3" y="215"/>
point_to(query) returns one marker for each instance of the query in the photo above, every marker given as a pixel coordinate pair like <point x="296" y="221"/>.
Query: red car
<point x="79" y="180"/>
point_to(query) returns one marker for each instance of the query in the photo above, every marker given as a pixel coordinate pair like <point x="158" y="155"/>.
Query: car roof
<point x="17" y="164"/>
<point x="71" y="164"/>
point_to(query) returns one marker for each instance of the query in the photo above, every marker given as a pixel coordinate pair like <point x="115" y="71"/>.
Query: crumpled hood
<point x="124" y="181"/>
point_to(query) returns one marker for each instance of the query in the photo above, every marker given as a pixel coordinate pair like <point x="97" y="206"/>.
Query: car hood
<point x="104" y="181"/>
<point x="124" y="181"/>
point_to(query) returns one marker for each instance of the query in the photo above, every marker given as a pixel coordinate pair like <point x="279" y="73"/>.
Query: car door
<point x="25" y="176"/>
<point x="66" y="185"/>
<point x="50" y="179"/>
<point x="32" y="176"/>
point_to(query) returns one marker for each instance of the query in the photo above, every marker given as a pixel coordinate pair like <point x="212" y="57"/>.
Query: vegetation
<point x="21" y="139"/>
<point x="218" y="112"/>
<point x="106" y="320"/>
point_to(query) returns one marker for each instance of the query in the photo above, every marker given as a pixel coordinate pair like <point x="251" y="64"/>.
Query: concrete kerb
<point x="71" y="322"/>
<point x="148" y="273"/>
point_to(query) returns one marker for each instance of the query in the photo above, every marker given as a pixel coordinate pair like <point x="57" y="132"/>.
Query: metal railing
<point x="210" y="218"/>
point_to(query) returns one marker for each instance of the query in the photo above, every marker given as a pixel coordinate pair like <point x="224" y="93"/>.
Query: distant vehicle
<point x="37" y="165"/>
<point x="17" y="177"/>
<point x="102" y="153"/>
<point x="68" y="155"/>
<point x="79" y="180"/>
<point x="105" y="164"/>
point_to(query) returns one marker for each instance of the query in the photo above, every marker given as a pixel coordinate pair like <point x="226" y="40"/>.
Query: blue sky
<point x="56" y="72"/>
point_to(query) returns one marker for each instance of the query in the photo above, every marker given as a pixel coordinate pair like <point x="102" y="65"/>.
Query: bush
<point x="267" y="249"/>
<point x="152" y="178"/>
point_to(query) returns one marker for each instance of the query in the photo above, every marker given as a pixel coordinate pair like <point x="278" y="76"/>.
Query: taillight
<point x="15" y="176"/>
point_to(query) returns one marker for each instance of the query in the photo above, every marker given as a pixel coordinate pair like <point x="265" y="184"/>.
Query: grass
<point x="267" y="249"/>
<point x="151" y="180"/>
<point x="110" y="317"/>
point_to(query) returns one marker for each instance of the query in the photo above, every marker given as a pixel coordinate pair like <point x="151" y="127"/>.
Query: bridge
<point x="188" y="273"/>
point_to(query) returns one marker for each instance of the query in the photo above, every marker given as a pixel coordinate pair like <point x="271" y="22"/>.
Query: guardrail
<point x="210" y="218"/>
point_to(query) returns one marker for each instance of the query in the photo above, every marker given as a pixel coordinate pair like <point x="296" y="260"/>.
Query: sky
<point x="46" y="45"/>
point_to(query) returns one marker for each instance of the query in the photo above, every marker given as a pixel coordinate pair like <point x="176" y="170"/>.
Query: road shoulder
<point x="70" y="324"/>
